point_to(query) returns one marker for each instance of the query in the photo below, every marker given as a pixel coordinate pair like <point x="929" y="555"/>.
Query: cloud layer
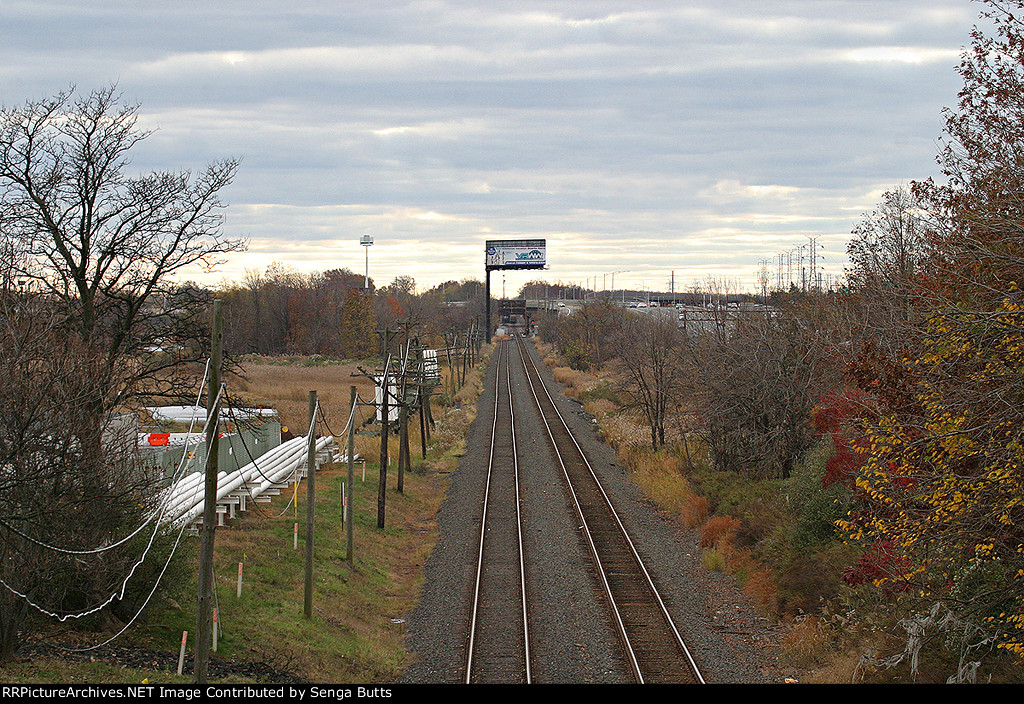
<point x="662" y="140"/>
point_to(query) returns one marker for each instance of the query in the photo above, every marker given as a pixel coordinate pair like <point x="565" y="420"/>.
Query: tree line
<point x="280" y="311"/>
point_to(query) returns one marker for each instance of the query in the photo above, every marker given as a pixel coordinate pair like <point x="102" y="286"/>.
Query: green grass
<point x="356" y="631"/>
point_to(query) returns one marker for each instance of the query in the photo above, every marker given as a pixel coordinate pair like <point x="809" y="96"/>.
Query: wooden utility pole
<point x="421" y="398"/>
<point x="204" y="607"/>
<point x="351" y="473"/>
<point x="310" y="503"/>
<point x="404" y="400"/>
<point x="380" y="380"/>
<point x="385" y="421"/>
<point x="403" y="444"/>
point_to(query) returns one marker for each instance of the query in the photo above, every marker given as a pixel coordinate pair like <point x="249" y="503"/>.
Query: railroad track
<point x="499" y="640"/>
<point x="499" y="635"/>
<point x="651" y="643"/>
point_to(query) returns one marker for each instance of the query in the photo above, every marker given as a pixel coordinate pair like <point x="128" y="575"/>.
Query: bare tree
<point x="587" y="337"/>
<point x="92" y="323"/>
<point x="890" y="254"/>
<point x="650" y="351"/>
<point x="104" y="243"/>
<point x="755" y="391"/>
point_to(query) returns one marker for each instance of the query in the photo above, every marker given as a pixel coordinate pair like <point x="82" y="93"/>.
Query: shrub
<point x="717" y="530"/>
<point x="576" y="355"/>
<point x="811" y="578"/>
<point x="713" y="561"/>
<point x="695" y="510"/>
<point x="760" y="586"/>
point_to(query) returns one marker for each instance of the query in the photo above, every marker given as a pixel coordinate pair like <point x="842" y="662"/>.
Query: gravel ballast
<point x="570" y="637"/>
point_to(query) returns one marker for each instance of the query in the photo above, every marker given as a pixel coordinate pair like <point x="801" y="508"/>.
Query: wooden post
<point x="181" y="651"/>
<point x="204" y="601"/>
<point x="385" y="411"/>
<point x="430" y="413"/>
<point x="310" y="503"/>
<point x="403" y="445"/>
<point x="351" y="473"/>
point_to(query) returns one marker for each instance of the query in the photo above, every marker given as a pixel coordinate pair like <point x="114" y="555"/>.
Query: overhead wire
<point x="155" y="518"/>
<point x="118" y="593"/>
<point x="155" y="514"/>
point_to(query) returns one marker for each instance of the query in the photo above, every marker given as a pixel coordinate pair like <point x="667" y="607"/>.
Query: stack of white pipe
<point x="185" y="500"/>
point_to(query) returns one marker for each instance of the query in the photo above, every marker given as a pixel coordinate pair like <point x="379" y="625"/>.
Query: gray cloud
<point x="656" y="137"/>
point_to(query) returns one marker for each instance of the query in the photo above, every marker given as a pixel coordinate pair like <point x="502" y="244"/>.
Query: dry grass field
<point x="284" y="384"/>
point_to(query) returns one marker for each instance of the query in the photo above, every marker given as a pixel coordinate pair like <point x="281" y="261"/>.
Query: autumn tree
<point x="358" y="326"/>
<point x="942" y="476"/>
<point x="316" y="312"/>
<point x="66" y="511"/>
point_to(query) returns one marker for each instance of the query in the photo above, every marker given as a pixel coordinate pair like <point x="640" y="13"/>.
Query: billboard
<point x="516" y="254"/>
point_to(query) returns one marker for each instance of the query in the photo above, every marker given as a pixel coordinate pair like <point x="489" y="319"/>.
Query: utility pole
<point x="385" y="421"/>
<point x="310" y="504"/>
<point x="404" y="460"/>
<point x="814" y="262"/>
<point x="204" y="606"/>
<point x="351" y="474"/>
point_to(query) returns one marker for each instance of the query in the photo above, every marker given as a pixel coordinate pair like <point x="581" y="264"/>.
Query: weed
<point x="695" y="510"/>
<point x="713" y="561"/>
<point x="809" y="642"/>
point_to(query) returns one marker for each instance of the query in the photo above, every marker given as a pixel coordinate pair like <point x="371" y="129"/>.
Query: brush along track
<point x="651" y="643"/>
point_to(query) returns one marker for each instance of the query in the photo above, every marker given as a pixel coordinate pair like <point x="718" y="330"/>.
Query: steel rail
<point x="499" y="396"/>
<point x="519" y="521"/>
<point x="633" y="659"/>
<point x="620" y="626"/>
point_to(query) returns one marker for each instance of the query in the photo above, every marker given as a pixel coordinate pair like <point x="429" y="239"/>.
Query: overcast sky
<point x="662" y="141"/>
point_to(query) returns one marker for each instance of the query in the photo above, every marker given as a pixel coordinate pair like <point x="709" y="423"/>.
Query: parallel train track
<point x="499" y="648"/>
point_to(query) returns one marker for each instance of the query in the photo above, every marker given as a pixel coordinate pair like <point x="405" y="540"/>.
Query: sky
<point x="654" y="145"/>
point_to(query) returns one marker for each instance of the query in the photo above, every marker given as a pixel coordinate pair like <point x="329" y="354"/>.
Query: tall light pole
<point x="612" y="274"/>
<point x="367" y="242"/>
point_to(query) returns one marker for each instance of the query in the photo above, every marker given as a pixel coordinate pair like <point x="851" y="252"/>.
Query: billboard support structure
<point x="511" y="254"/>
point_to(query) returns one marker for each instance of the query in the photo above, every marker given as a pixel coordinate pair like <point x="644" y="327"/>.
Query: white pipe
<point x="186" y="501"/>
